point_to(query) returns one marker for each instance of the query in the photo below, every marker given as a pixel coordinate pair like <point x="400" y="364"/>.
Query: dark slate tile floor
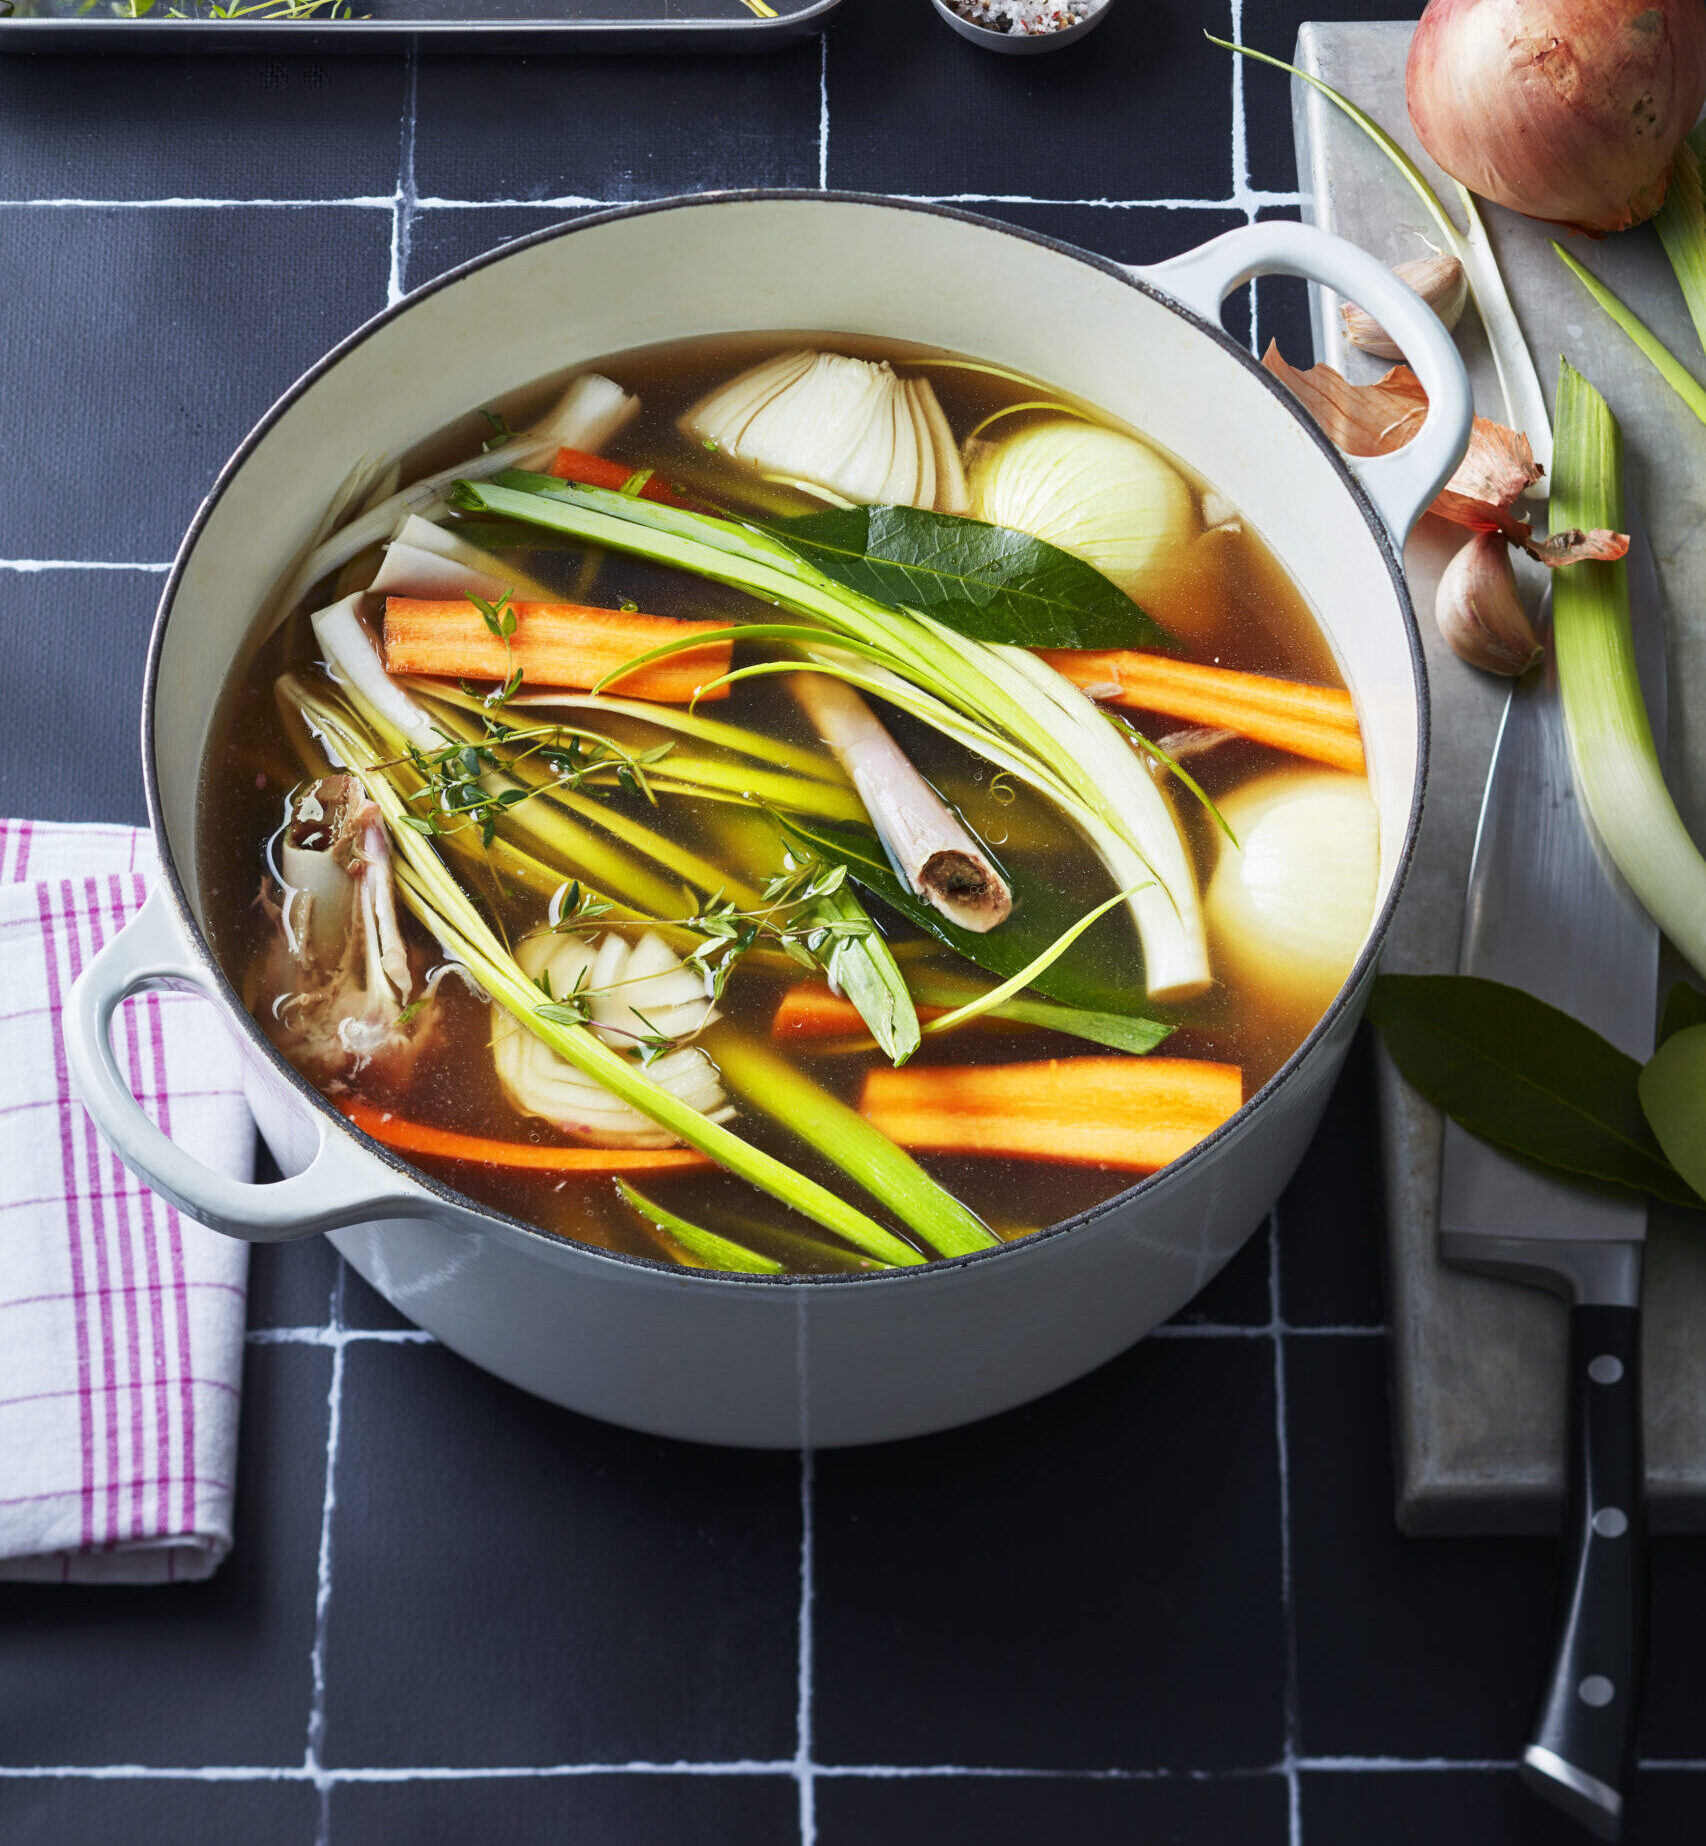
<point x="1166" y="1604"/>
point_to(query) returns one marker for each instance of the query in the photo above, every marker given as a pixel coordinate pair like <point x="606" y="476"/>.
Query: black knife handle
<point x="1584" y="1732"/>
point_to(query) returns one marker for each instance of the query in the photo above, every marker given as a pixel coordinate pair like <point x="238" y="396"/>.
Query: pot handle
<point x="1402" y="485"/>
<point x="341" y="1185"/>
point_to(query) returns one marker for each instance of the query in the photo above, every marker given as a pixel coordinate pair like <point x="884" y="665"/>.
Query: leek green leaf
<point x="1673" y="1094"/>
<point x="1525" y="1076"/>
<point x="988" y="582"/>
<point x="708" y="1249"/>
<point x="1685" y="1006"/>
<point x="1041" y="916"/>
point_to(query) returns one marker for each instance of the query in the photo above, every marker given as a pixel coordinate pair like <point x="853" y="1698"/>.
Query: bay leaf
<point x="1525" y="1076"/>
<point x="1040" y="915"/>
<point x="1672" y="1086"/>
<point x="1684" y="1006"/>
<point x="987" y="582"/>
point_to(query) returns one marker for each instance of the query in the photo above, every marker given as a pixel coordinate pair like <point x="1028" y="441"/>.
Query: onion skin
<point x="1566" y="110"/>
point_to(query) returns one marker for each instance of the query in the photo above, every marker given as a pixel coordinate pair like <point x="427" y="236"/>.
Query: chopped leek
<point x="1000" y="702"/>
<point x="704" y="1249"/>
<point x="844" y="1137"/>
<point x="448" y="913"/>
<point x="1611" y="742"/>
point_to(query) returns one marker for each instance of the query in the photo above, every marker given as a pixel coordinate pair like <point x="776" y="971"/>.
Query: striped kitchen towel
<point x="121" y="1322"/>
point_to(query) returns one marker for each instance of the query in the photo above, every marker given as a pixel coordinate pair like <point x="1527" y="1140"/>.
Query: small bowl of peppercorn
<point x="1021" y="28"/>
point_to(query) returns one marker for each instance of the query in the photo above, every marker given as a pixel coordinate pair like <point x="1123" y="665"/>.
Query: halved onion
<point x="850" y="426"/>
<point x="1288" y="907"/>
<point x="1102" y="495"/>
<point x="539" y="1083"/>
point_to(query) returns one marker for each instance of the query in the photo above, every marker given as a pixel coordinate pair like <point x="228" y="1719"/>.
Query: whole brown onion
<point x="1567" y="110"/>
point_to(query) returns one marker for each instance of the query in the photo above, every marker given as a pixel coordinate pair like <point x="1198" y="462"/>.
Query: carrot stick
<point x="810" y="1010"/>
<point x="422" y="1138"/>
<point x="554" y="644"/>
<point x="1131" y="1113"/>
<point x="601" y="471"/>
<point x="1314" y="721"/>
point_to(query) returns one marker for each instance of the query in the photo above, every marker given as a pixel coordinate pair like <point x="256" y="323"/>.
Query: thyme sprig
<point x="456" y="791"/>
<point x="499" y="617"/>
<point x="798" y="915"/>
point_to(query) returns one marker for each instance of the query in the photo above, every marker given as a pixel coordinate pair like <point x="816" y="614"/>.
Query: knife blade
<point x="1547" y="911"/>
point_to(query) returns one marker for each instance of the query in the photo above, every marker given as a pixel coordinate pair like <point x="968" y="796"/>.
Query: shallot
<point x="1567" y="110"/>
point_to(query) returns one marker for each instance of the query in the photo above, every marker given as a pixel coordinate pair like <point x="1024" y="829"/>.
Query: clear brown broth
<point x="1250" y="616"/>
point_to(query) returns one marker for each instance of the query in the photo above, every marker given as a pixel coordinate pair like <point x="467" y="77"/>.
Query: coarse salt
<point x="1026" y="18"/>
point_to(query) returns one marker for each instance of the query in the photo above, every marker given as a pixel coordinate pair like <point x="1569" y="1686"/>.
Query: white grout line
<point x="339" y="1336"/>
<point x="1288" y="1600"/>
<point x="823" y="112"/>
<point x="403" y="200"/>
<point x="1240" y="124"/>
<point x="805" y="1770"/>
<point x="1243" y="194"/>
<point x="1223" y="1330"/>
<point x="150" y="205"/>
<point x="845" y="1772"/>
<point x="314" y="1750"/>
<point x="30" y="565"/>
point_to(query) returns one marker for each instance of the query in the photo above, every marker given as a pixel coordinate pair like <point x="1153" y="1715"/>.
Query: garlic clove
<point x="1441" y="283"/>
<point x="1479" y="609"/>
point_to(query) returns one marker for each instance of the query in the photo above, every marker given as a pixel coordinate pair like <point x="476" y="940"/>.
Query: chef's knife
<point x="1547" y="911"/>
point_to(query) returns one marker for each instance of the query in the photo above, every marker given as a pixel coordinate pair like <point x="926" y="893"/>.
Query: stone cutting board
<point x="1478" y="1365"/>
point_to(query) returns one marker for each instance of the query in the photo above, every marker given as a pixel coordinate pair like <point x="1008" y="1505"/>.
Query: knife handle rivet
<point x="1605" y="1368"/>
<point x="1596" y="1690"/>
<point x="1611" y="1522"/>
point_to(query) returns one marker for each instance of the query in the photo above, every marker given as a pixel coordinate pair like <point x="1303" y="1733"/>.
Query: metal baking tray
<point x="385" y="25"/>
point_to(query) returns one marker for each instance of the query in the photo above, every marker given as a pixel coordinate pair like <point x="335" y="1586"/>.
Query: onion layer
<point x="1289" y="905"/>
<point x="1567" y="110"/>
<point x="1100" y="494"/>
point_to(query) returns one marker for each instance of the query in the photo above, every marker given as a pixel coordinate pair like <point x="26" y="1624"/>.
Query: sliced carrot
<point x="1131" y="1113"/>
<point x="601" y="471"/>
<point x="445" y="1144"/>
<point x="554" y="644"/>
<point x="1318" y="722"/>
<point x="810" y="1010"/>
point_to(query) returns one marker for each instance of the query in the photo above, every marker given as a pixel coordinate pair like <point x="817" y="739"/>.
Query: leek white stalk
<point x="427" y="560"/>
<point x="354" y="657"/>
<point x="1611" y="741"/>
<point x="933" y="854"/>
<point x="449" y="914"/>
<point x="988" y="698"/>
<point x="591" y="410"/>
<point x="1290" y="902"/>
<point x="849" y="427"/>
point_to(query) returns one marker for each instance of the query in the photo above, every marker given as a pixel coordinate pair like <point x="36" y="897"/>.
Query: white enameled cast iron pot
<point x="741" y="1359"/>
